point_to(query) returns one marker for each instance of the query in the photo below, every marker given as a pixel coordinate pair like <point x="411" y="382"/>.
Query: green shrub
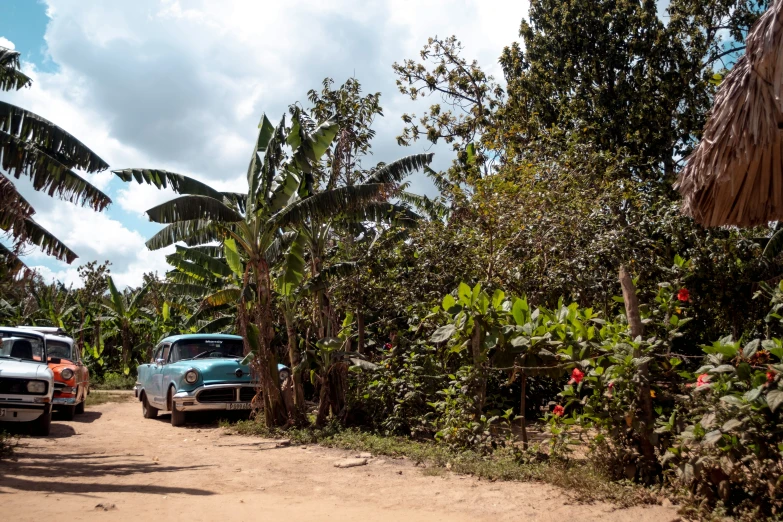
<point x="115" y="381"/>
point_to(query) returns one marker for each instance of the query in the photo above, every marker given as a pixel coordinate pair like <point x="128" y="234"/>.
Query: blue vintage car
<point x="196" y="372"/>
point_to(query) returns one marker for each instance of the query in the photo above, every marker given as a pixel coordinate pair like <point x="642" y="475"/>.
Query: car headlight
<point x="191" y="376"/>
<point x="36" y="387"/>
<point x="66" y="374"/>
<point x="283" y="375"/>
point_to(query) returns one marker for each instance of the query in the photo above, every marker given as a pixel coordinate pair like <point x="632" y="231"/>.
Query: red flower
<point x="559" y="410"/>
<point x="702" y="380"/>
<point x="611" y="385"/>
<point x="387" y="346"/>
<point x="683" y="295"/>
<point x="576" y="376"/>
<point x="770" y="377"/>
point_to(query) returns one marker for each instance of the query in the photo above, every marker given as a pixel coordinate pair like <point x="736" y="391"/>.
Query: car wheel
<point x="42" y="425"/>
<point x="177" y="416"/>
<point x="80" y="406"/>
<point x="68" y="412"/>
<point x="148" y="411"/>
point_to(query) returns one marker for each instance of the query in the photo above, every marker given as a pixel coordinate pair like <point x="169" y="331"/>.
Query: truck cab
<point x="26" y="382"/>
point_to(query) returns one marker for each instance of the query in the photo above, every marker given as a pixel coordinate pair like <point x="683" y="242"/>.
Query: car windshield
<point x="17" y="345"/>
<point x="59" y="349"/>
<point x="206" y="348"/>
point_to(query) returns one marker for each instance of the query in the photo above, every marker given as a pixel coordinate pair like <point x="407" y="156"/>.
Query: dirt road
<point x="145" y="470"/>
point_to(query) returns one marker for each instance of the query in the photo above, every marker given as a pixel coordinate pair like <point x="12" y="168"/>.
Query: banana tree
<point x="124" y="316"/>
<point x="281" y="173"/>
<point x="37" y="148"/>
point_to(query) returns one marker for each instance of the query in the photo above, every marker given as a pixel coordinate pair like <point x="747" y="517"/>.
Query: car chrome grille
<point x="13" y="386"/>
<point x="218" y="395"/>
<point x="246" y="394"/>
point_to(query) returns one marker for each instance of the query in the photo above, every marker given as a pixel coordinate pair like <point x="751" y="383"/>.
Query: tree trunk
<point x="299" y="411"/>
<point x="645" y="398"/>
<point x="522" y="407"/>
<point x="360" y="327"/>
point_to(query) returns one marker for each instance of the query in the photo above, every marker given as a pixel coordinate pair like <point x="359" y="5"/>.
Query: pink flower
<point x="683" y="295"/>
<point x="559" y="410"/>
<point x="702" y="380"/>
<point x="770" y="377"/>
<point x="576" y="376"/>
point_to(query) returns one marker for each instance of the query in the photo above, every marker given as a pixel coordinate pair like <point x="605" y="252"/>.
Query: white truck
<point x="26" y="382"/>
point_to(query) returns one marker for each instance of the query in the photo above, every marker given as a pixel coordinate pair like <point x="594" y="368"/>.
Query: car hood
<point x="222" y="370"/>
<point x="25" y="370"/>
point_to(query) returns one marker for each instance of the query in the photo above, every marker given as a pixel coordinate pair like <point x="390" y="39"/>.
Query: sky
<point x="181" y="86"/>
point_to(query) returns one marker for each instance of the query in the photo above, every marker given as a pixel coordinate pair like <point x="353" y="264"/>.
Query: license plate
<point x="238" y="406"/>
<point x="2" y="412"/>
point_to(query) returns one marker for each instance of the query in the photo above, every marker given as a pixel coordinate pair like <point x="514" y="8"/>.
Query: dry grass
<point x="96" y="398"/>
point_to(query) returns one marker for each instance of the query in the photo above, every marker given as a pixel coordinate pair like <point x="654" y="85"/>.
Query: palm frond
<point x="194" y="270"/>
<point x="47" y="173"/>
<point x="49" y="138"/>
<point x="116" y="298"/>
<point x="439" y="180"/>
<point x="285" y="187"/>
<point x="277" y="247"/>
<point x="224" y="296"/>
<point x="11" y="78"/>
<point x="774" y="245"/>
<point x="139" y="296"/>
<point x="192" y="207"/>
<point x="162" y="179"/>
<point x="273" y="157"/>
<point x="186" y="289"/>
<point x="382" y="212"/>
<point x="192" y="232"/>
<point x="330" y="202"/>
<point x="398" y="170"/>
<point x="217" y="325"/>
<point x="196" y="255"/>
<point x="293" y="268"/>
<point x="433" y="208"/>
<point x="265" y="133"/>
<point x="29" y="232"/>
<point x="10" y="260"/>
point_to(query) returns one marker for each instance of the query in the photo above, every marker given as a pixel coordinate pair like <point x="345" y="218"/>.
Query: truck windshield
<point x="15" y="345"/>
<point x="59" y="349"/>
<point x="206" y="348"/>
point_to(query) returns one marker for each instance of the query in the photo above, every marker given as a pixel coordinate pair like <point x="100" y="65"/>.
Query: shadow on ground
<point x="29" y="471"/>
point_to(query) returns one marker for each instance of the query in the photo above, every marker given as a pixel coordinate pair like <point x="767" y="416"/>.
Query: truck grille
<point x="17" y="387"/>
<point x="218" y="395"/>
<point x="246" y="394"/>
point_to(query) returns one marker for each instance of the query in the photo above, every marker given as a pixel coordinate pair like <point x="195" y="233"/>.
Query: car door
<point x="156" y="371"/>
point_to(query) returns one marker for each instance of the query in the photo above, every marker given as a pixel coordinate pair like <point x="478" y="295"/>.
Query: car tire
<point x="177" y="416"/>
<point x="148" y="411"/>
<point x="80" y="406"/>
<point x="68" y="412"/>
<point x="43" y="424"/>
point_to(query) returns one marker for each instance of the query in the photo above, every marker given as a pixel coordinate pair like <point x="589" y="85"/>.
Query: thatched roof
<point x="735" y="174"/>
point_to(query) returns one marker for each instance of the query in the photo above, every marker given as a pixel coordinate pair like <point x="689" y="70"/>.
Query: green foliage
<point x="114" y="381"/>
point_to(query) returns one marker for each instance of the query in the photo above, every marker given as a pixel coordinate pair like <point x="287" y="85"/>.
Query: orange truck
<point x="71" y="376"/>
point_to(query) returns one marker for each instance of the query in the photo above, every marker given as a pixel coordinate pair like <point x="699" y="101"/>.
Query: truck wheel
<point x="148" y="411"/>
<point x="42" y="425"/>
<point x="68" y="412"/>
<point x="177" y="416"/>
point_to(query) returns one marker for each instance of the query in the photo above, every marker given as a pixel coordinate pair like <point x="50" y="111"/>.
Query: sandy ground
<point x="147" y="470"/>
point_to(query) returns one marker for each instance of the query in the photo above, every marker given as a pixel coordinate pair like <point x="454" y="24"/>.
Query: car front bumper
<point x="188" y="400"/>
<point x="21" y="412"/>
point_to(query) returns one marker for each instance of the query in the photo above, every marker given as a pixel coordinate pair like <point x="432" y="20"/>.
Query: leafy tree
<point x="124" y="317"/>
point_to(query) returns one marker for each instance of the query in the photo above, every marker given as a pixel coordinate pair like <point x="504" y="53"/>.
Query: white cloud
<point x="181" y="86"/>
<point x="5" y="42"/>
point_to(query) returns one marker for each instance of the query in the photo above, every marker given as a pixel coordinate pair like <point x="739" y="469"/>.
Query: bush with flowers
<point x="729" y="454"/>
